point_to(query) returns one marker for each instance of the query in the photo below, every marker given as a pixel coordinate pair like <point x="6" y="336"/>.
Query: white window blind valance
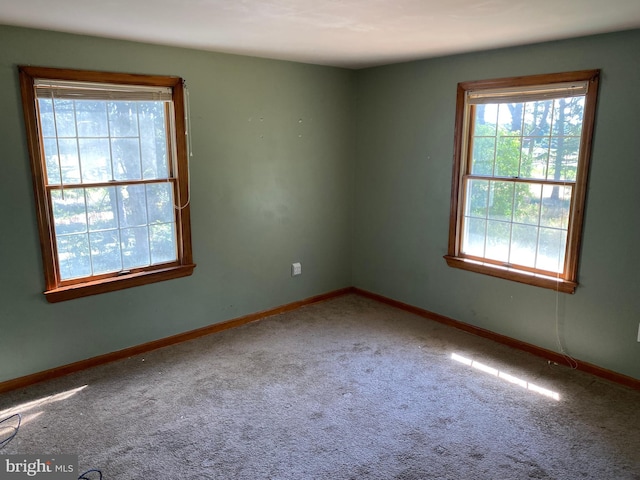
<point x="100" y="91"/>
<point x="527" y="94"/>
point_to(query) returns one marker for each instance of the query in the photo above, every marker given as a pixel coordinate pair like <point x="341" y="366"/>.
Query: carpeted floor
<point x="344" y="389"/>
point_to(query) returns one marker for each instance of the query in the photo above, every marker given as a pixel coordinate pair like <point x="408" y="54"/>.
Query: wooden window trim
<point x="55" y="289"/>
<point x="568" y="281"/>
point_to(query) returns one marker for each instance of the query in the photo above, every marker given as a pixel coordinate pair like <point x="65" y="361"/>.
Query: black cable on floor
<point x="82" y="476"/>
<point x="4" y="441"/>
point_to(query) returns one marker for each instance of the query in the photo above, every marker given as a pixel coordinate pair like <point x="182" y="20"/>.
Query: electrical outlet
<point x="296" y="269"/>
<point x="639" y="332"/>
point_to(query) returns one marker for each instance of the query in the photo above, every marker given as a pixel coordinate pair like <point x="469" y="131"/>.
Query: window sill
<point x="116" y="283"/>
<point x="552" y="283"/>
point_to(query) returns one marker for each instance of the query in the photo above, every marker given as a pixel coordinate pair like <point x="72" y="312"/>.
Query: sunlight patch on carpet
<point x="40" y="402"/>
<point x="505" y="376"/>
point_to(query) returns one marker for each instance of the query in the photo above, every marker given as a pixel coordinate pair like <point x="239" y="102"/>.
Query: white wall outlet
<point x="639" y="332"/>
<point x="296" y="269"/>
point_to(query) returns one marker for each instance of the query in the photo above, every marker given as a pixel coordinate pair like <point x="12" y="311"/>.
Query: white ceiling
<point x="345" y="33"/>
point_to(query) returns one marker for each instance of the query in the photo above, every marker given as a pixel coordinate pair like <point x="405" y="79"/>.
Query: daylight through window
<point x="111" y="175"/>
<point x="522" y="150"/>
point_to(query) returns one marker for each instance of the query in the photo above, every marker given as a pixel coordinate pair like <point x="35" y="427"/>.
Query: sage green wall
<point x="403" y="180"/>
<point x="268" y="190"/>
<point x="271" y="185"/>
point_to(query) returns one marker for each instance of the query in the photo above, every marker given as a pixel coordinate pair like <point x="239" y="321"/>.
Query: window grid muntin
<point x="109" y="142"/>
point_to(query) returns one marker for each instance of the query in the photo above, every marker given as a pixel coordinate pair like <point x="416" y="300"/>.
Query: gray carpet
<point x="344" y="389"/>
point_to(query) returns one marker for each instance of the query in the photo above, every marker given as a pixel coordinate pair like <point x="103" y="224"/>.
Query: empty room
<point x="320" y="240"/>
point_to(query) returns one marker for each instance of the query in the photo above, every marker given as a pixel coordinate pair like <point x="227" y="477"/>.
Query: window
<point x="110" y="174"/>
<point x="522" y="148"/>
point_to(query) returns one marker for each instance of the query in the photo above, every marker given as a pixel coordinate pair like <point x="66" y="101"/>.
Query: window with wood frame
<point x="110" y="175"/>
<point x="522" y="148"/>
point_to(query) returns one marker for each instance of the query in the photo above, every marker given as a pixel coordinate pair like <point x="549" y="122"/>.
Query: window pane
<point x="105" y="252"/>
<point x="535" y="157"/>
<point x="51" y="161"/>
<point x="123" y="119"/>
<point x="567" y="116"/>
<point x="73" y="256"/>
<point x="69" y="211"/>
<point x="135" y="247"/>
<point x="132" y="205"/>
<point x="523" y="245"/>
<point x="160" y="203"/>
<point x="474" y="236"/>
<point x="556" y="202"/>
<point x="510" y="119"/>
<point x="563" y="162"/>
<point x="508" y="156"/>
<point x="501" y="200"/>
<point x="163" y="243"/>
<point x="47" y="126"/>
<point x="65" y="118"/>
<point x="527" y="203"/>
<point x="498" y="238"/>
<point x="477" y="198"/>
<point x="484" y="149"/>
<point x="126" y="158"/>
<point x="551" y="246"/>
<point x="537" y="118"/>
<point x="102" y="208"/>
<point x="69" y="160"/>
<point x="486" y="119"/>
<point x="153" y="143"/>
<point x="92" y="118"/>
<point x="95" y="159"/>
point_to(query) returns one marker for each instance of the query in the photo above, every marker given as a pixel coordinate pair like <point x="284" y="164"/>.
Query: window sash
<point x="93" y="223"/>
<point x="539" y="221"/>
<point x="170" y="135"/>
